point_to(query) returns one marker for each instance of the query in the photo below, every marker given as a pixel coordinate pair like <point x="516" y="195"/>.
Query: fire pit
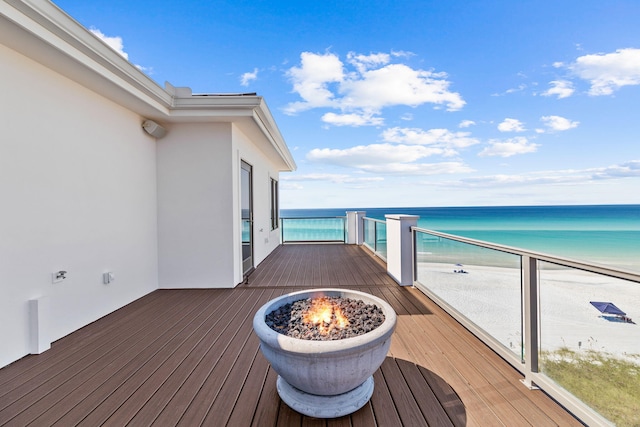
<point x="325" y="378"/>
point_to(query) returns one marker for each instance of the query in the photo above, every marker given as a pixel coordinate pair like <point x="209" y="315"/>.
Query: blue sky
<point x="413" y="103"/>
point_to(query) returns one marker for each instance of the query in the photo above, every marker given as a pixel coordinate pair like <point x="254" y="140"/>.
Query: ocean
<point x="603" y="234"/>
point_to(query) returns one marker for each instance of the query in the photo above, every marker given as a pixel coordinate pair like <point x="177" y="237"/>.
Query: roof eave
<point x="46" y="34"/>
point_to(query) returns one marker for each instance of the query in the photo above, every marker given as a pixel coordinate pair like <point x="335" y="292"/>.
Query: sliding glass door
<point x="246" y="198"/>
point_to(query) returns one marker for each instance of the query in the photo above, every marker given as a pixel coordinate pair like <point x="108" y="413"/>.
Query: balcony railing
<point x="534" y="310"/>
<point x="317" y="229"/>
<point x="375" y="236"/>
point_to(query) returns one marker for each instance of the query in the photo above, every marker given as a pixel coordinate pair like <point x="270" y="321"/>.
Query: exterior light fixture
<point x="154" y="129"/>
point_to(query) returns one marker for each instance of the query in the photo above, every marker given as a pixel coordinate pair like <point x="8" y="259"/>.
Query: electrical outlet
<point x="108" y="277"/>
<point x="58" y="276"/>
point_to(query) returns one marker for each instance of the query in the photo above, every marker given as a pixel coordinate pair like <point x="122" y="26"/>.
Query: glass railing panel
<point x="481" y="284"/>
<point x="375" y="236"/>
<point x="592" y="350"/>
<point x="370" y="233"/>
<point x="313" y="229"/>
<point x="381" y="239"/>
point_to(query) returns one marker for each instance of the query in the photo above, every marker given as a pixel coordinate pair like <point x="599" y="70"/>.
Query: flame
<point x="325" y="315"/>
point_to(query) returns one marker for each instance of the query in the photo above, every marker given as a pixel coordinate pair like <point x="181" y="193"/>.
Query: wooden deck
<point x="189" y="357"/>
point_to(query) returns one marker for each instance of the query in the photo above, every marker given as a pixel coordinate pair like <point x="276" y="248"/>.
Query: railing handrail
<point x="312" y="217"/>
<point x="374" y="219"/>
<point x="619" y="273"/>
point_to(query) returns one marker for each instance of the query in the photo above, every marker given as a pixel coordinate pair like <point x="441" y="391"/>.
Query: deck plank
<point x="67" y="351"/>
<point x="384" y="409"/>
<point x="218" y="353"/>
<point x="268" y="406"/>
<point x="209" y="390"/>
<point x="67" y="377"/>
<point x="428" y="402"/>
<point x="135" y="373"/>
<point x="403" y="399"/>
<point x="250" y="394"/>
<point x="141" y="396"/>
<point x="190" y="357"/>
<point x="363" y="417"/>
<point x="503" y="378"/>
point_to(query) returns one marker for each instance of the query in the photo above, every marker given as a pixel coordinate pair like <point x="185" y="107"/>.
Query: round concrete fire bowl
<point x="325" y="379"/>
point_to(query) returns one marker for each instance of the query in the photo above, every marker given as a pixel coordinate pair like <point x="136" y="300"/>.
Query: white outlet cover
<point x="108" y="277"/>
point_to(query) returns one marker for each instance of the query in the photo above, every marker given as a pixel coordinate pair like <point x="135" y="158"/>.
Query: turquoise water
<point x="606" y="234"/>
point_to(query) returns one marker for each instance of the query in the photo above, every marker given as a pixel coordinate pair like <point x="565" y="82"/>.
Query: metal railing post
<point x="414" y="253"/>
<point x="531" y="332"/>
<point x="375" y="236"/>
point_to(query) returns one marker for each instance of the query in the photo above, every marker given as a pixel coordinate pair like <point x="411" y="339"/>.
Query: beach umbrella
<point x="608" y="308"/>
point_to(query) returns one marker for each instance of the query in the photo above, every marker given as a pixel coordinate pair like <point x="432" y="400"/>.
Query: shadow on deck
<point x="189" y="357"/>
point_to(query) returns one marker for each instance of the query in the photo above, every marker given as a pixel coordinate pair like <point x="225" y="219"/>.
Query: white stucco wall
<point x="199" y="227"/>
<point x="194" y="199"/>
<point x="265" y="239"/>
<point x="77" y="193"/>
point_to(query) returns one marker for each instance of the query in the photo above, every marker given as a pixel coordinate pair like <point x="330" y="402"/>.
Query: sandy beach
<point x="490" y="297"/>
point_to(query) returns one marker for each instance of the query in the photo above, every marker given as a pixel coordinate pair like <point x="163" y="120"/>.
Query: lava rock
<point x="289" y="319"/>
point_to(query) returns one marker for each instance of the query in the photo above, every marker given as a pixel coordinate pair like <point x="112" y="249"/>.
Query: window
<point x="275" y="217"/>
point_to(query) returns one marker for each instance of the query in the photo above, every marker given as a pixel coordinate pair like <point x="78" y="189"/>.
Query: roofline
<point x="224" y="107"/>
<point x="43" y="32"/>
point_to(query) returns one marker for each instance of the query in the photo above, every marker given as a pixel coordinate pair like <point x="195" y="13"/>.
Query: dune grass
<point x="609" y="385"/>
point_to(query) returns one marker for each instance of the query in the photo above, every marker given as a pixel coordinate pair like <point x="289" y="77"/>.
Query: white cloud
<point x="374" y="154"/>
<point x="311" y="81"/>
<point x="511" y="125"/>
<point x="466" y="123"/>
<point x="398" y="84"/>
<point x="516" y="180"/>
<point x="560" y="88"/>
<point x="352" y="119"/>
<point x="332" y="177"/>
<point x="521" y="87"/>
<point x="389" y="159"/>
<point x="509" y="147"/>
<point x="567" y="177"/>
<point x="610" y="71"/>
<point x="443" y="138"/>
<point x="365" y="62"/>
<point x="402" y="54"/>
<point x="371" y="83"/>
<point x="291" y="186"/>
<point x="624" y="170"/>
<point x="248" y="77"/>
<point x="557" y="123"/>
<point x="404" y="169"/>
<point x="401" y="152"/>
<point x="114" y="43"/>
